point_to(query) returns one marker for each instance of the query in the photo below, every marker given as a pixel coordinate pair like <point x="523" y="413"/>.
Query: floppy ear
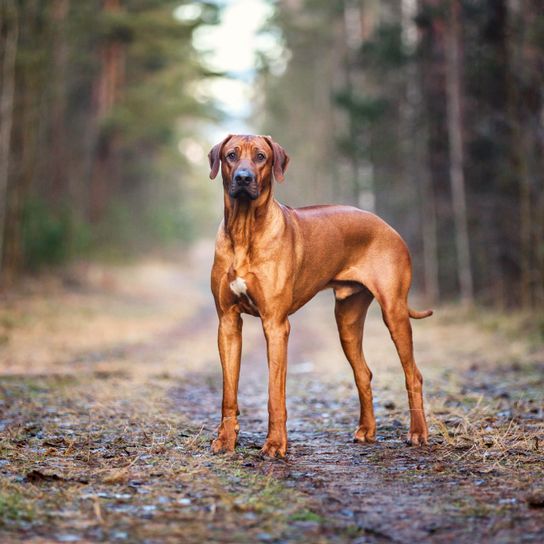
<point x="214" y="156"/>
<point x="281" y="159"/>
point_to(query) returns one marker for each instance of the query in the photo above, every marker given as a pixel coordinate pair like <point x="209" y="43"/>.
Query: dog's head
<point x="247" y="164"/>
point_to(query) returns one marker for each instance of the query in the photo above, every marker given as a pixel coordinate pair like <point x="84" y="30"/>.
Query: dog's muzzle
<point x="244" y="183"/>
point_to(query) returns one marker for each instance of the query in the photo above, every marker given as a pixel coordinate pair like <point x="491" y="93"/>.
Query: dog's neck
<point x="243" y="217"/>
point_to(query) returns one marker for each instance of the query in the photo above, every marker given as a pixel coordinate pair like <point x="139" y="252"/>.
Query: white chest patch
<point x="238" y="287"/>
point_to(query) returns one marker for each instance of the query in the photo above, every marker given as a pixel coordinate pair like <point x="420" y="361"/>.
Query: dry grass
<point x="116" y="457"/>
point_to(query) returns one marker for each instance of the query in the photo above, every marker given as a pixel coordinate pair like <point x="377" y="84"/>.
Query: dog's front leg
<point x="277" y="334"/>
<point x="230" y="350"/>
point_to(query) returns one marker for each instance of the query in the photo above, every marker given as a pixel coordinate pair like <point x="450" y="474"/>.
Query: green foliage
<point x="121" y="233"/>
<point x="307" y="515"/>
<point x="362" y="109"/>
<point x="51" y="237"/>
<point x="536" y="33"/>
<point x="385" y="51"/>
<point x="170" y="224"/>
<point x="14" y="508"/>
<point x="115" y="27"/>
<point x="103" y="96"/>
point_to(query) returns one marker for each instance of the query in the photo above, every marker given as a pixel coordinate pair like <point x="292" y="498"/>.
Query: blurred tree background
<point x="429" y="112"/>
<point x="95" y="96"/>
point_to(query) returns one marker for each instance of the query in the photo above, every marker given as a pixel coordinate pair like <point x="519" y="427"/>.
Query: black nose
<point x="243" y="177"/>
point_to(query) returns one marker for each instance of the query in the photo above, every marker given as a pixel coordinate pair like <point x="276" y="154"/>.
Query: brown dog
<point x="271" y="259"/>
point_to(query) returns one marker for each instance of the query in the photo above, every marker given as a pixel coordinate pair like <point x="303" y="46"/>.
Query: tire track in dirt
<point x="151" y="349"/>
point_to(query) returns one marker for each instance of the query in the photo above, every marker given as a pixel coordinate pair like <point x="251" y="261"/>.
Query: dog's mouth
<point x="249" y="192"/>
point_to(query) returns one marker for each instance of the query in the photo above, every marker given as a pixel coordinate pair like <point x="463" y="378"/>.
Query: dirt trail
<point x="111" y="395"/>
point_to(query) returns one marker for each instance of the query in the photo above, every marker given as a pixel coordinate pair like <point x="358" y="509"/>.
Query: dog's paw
<point x="274" y="448"/>
<point x="418" y="438"/>
<point x="364" y="435"/>
<point x="224" y="444"/>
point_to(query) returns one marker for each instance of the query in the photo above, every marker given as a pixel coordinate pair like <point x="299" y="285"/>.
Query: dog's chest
<point x="239" y="288"/>
<point x="246" y="271"/>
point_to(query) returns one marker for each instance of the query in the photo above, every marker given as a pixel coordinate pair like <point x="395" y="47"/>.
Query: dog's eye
<point x="231" y="156"/>
<point x="261" y="157"/>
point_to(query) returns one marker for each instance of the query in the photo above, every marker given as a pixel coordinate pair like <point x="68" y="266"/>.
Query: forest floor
<point x="110" y="395"/>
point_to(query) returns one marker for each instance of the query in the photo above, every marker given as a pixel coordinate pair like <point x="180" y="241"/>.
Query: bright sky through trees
<point x="230" y="47"/>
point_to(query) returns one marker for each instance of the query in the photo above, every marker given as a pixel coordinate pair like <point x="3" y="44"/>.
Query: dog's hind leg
<point x="396" y="316"/>
<point x="350" y="316"/>
<point x="389" y="281"/>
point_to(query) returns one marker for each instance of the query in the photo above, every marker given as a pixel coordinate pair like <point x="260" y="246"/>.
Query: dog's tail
<point x="419" y="315"/>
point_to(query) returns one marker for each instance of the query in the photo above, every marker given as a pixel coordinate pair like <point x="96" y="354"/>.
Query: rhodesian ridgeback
<point x="271" y="259"/>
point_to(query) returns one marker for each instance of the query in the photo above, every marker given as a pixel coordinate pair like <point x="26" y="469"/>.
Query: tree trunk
<point x="106" y="94"/>
<point x="525" y="106"/>
<point x="353" y="39"/>
<point x="59" y="158"/>
<point x="9" y="39"/>
<point x="455" y="132"/>
<point x="436" y="189"/>
<point x="532" y="182"/>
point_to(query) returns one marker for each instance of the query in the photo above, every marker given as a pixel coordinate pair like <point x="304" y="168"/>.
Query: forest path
<point x="111" y="394"/>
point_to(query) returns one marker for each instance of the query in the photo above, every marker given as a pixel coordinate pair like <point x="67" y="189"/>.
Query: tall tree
<point x="436" y="190"/>
<point x="416" y="149"/>
<point x="80" y="118"/>
<point x="454" y="74"/>
<point x="444" y="117"/>
<point x="59" y="158"/>
<point x="9" y="34"/>
<point x="108" y="87"/>
<point x="525" y="88"/>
